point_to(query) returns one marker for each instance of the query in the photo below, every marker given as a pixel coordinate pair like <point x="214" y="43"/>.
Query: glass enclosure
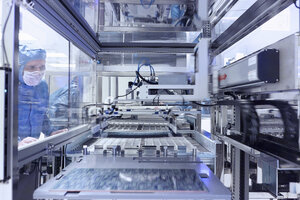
<point x="87" y="9"/>
<point x="54" y="81"/>
<point x="82" y="89"/>
<point x="145" y="14"/>
<point x="280" y="26"/>
<point x="231" y="16"/>
<point x="117" y="71"/>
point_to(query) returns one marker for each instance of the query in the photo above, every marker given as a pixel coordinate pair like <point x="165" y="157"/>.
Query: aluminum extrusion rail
<point x="37" y="149"/>
<point x="256" y="15"/>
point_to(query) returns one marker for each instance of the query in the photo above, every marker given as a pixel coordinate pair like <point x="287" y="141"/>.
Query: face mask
<point x="33" y="78"/>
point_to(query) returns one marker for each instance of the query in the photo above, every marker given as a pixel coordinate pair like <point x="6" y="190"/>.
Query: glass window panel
<point x="146" y="14"/>
<point x="88" y="9"/>
<point x="123" y="22"/>
<point x="277" y="28"/>
<point x="83" y="91"/>
<point x="230" y="17"/>
<point x="43" y="80"/>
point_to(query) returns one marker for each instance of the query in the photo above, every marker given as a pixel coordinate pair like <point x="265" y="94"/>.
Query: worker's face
<point x="34" y="72"/>
<point x="35" y="65"/>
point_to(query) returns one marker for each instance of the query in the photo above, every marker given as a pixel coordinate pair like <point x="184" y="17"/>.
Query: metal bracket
<point x="206" y="29"/>
<point x="26" y="3"/>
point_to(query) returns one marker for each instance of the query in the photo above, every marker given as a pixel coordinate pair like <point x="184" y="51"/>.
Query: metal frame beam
<point x="218" y="9"/>
<point x="35" y="150"/>
<point x="116" y="47"/>
<point x="69" y="23"/>
<point x="157" y="2"/>
<point x="8" y="187"/>
<point x="256" y="15"/>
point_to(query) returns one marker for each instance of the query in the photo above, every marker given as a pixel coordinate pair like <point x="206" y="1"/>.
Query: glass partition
<point x="231" y="16"/>
<point x="151" y="15"/>
<point x="88" y="9"/>
<point x="54" y="81"/>
<point x="82" y="87"/>
<point x="280" y="26"/>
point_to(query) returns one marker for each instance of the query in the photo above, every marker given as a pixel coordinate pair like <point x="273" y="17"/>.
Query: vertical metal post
<point x="202" y="57"/>
<point x="117" y="86"/>
<point x="240" y="174"/>
<point x="8" y="188"/>
<point x="70" y="112"/>
<point x="99" y="89"/>
<point x="235" y="185"/>
<point x="109" y="89"/>
<point x="198" y="123"/>
<point x="213" y="120"/>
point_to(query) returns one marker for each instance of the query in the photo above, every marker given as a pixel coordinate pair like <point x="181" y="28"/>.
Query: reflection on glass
<point x="146" y="14"/>
<point x="38" y="55"/>
<point x="280" y="26"/>
<point x="82" y="89"/>
<point x="230" y="17"/>
<point x="88" y="9"/>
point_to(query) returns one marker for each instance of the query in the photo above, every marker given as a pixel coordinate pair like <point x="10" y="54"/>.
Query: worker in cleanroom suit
<point x="33" y="96"/>
<point x="64" y="99"/>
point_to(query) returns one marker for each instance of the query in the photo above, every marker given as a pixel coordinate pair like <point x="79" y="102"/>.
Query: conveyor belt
<point x="131" y="128"/>
<point x="134" y="128"/>
<point x="137" y="143"/>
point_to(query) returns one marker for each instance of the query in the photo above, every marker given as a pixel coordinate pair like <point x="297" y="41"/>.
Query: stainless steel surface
<point x="246" y="70"/>
<point x="147" y="29"/>
<point x="107" y="143"/>
<point x="129" y="144"/>
<point x="137" y="127"/>
<point x="215" y="190"/>
<point x="206" y="142"/>
<point x="144" y="92"/>
<point x="240" y="146"/>
<point x="288" y="67"/>
<point x="176" y="79"/>
<point x="147" y="47"/>
<point x="149" y="37"/>
<point x="201" y="75"/>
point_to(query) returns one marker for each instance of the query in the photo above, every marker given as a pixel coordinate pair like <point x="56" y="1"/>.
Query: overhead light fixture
<point x="56" y="55"/>
<point x="62" y="65"/>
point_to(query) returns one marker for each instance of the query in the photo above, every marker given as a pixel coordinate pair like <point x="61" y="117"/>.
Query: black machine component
<point x="5" y="140"/>
<point x="260" y="67"/>
<point x="286" y="147"/>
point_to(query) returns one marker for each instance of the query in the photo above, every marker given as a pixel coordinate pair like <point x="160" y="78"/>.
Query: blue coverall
<point x="33" y="100"/>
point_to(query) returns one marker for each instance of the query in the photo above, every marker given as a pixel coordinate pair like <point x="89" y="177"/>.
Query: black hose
<point x="145" y="80"/>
